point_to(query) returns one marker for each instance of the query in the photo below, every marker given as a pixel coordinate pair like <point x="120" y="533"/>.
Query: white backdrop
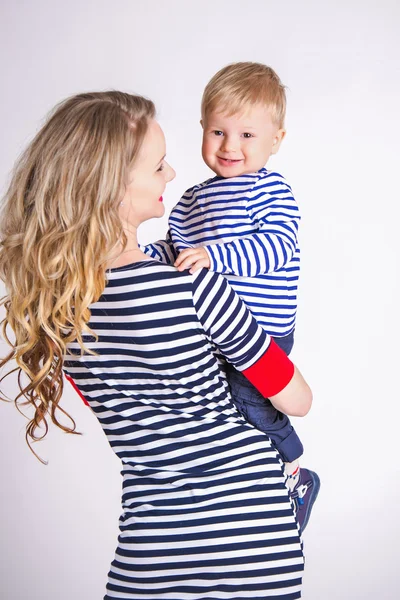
<point x="341" y="63"/>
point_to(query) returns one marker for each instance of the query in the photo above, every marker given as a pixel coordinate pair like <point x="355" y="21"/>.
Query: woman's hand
<point x="193" y="258"/>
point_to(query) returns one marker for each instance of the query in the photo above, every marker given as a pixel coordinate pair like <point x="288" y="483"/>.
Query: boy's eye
<point x="161" y="167"/>
<point x="218" y="132"/>
<point x="247" y="135"/>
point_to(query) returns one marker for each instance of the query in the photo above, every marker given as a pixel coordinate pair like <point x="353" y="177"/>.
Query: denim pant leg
<point x="260" y="412"/>
<point x="286" y="342"/>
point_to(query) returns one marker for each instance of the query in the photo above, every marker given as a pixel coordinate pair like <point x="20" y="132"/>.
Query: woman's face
<point x="147" y="180"/>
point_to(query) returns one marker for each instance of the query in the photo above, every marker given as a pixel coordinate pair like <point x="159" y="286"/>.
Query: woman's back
<point x="204" y="498"/>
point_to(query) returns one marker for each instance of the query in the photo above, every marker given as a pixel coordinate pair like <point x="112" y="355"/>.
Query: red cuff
<point x="72" y="382"/>
<point x="272" y="372"/>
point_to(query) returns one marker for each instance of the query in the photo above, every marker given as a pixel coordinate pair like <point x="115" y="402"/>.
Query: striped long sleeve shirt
<point x="248" y="225"/>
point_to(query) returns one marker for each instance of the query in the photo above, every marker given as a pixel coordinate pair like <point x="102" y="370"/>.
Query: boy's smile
<point x="226" y="162"/>
<point x="241" y="143"/>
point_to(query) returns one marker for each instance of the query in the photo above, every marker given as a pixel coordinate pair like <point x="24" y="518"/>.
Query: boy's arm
<point x="267" y="250"/>
<point x="163" y="250"/>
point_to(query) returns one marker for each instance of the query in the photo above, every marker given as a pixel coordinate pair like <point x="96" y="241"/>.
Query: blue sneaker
<point x="304" y="495"/>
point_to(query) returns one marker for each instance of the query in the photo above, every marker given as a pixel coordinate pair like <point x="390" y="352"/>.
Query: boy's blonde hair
<point x="243" y="83"/>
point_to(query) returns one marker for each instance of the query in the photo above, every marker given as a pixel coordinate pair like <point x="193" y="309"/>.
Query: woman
<point x="206" y="512"/>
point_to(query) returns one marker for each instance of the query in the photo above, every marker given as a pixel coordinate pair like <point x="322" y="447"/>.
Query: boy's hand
<point x="196" y="258"/>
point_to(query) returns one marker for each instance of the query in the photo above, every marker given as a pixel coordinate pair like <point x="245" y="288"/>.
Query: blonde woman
<point x="206" y="513"/>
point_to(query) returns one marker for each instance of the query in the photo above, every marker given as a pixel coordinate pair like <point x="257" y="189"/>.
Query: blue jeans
<point x="259" y="411"/>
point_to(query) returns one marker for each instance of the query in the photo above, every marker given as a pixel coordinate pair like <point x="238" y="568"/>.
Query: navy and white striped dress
<point x="206" y="513"/>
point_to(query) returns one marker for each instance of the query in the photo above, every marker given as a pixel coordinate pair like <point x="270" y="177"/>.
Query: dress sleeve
<point x="231" y="327"/>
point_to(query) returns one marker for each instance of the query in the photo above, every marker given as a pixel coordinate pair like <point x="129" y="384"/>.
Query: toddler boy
<point x="243" y="223"/>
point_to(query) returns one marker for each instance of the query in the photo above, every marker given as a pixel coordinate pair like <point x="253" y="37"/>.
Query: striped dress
<point x="206" y="513"/>
<point x="248" y="225"/>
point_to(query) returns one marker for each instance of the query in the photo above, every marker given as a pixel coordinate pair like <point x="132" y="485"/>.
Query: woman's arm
<point x="296" y="398"/>
<point x="231" y="327"/>
<point x="277" y="378"/>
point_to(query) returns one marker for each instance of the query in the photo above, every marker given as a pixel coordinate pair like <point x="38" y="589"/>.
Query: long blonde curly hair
<point x="59" y="226"/>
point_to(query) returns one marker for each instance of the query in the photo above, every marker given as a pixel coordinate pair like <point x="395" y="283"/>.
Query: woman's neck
<point x="128" y="255"/>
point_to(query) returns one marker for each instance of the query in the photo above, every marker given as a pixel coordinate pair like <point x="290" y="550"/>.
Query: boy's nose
<point x="229" y="144"/>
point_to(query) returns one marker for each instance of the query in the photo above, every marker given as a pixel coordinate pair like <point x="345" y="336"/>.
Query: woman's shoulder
<point x="142" y="273"/>
<point x="135" y="267"/>
<point x="152" y="274"/>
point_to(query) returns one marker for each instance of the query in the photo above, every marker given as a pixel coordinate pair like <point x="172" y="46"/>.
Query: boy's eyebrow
<point x="214" y="126"/>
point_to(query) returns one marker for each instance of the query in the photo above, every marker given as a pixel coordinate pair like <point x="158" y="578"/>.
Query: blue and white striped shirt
<point x="248" y="225"/>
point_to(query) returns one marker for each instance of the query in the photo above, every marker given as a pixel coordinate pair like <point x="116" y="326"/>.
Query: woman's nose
<point x="170" y="174"/>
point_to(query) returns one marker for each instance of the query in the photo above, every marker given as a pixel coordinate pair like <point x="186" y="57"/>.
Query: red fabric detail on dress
<point x="72" y="382"/>
<point x="272" y="372"/>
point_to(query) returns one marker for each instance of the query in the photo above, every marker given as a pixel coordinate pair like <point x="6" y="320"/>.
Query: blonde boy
<point x="243" y="223"/>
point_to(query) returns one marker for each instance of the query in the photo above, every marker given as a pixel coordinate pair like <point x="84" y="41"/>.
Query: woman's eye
<point x="161" y="167"/>
<point x="218" y="132"/>
<point x="247" y="135"/>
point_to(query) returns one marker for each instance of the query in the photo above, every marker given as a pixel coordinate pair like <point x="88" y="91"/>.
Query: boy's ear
<point x="280" y="134"/>
<point x="201" y="123"/>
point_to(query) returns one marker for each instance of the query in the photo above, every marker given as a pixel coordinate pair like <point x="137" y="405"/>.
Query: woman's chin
<point x="161" y="210"/>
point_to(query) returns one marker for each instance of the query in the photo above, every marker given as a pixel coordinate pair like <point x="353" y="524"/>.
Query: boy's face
<point x="241" y="143"/>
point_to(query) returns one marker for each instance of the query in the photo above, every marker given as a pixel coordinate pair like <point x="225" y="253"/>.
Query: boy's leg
<point x="292" y="470"/>
<point x="302" y="484"/>
<point x="304" y="495"/>
<point x="260" y="412"/>
<point x="286" y="342"/>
